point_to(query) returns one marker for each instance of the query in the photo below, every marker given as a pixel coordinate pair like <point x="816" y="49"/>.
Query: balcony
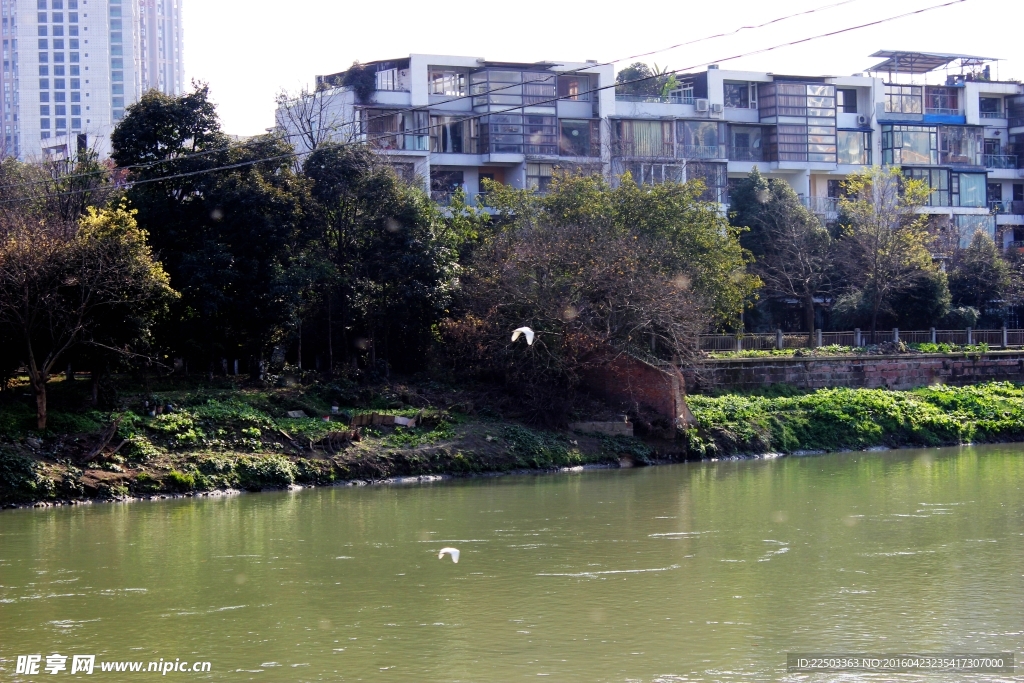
<point x="993" y="115"/>
<point x="701" y="151"/>
<point x="655" y="99"/>
<point x="746" y="154"/>
<point x="943" y="111"/>
<point x="826" y="207"/>
<point x="1016" y="207"/>
<point x="1000" y="161"/>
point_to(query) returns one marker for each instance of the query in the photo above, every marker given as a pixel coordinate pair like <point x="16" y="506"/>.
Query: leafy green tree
<point x="62" y="285"/>
<point x="229" y="223"/>
<point x="638" y="79"/>
<point x="394" y="258"/>
<point x="883" y="247"/>
<point x="979" y="276"/>
<point x="792" y="249"/>
<point x="597" y="272"/>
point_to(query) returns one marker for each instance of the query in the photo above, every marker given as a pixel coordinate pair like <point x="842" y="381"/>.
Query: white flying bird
<point x="454" y="552"/>
<point x="525" y="331"/>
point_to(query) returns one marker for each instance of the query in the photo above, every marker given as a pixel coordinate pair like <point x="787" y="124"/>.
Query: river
<point x="693" y="572"/>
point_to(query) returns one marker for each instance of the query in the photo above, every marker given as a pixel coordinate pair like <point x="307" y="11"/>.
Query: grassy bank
<point x="229" y="436"/>
<point x="784" y="420"/>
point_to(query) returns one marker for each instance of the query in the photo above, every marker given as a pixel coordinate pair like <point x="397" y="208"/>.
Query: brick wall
<point x="893" y="372"/>
<point x="633" y="384"/>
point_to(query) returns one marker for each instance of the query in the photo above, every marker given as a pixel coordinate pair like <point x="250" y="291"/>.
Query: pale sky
<point x="248" y="50"/>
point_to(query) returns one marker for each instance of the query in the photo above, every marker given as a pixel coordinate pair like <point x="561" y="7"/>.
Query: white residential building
<point x="71" y="67"/>
<point x="454" y="121"/>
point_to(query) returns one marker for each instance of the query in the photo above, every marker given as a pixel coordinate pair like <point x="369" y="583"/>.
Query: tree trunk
<point x="330" y="338"/>
<point x="39" y="389"/>
<point x="809" y="319"/>
<point x="300" y="347"/>
<point x="95" y="382"/>
<point x="69" y="374"/>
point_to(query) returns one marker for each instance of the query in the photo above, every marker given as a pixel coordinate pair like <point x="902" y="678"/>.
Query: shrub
<point x="273" y="471"/>
<point x="19" y="476"/>
<point x="180" y="481"/>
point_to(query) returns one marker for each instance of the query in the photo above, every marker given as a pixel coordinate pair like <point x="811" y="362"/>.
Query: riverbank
<point x="223" y="438"/>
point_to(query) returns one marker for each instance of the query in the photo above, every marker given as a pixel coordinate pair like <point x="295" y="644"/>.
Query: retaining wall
<point x="904" y="371"/>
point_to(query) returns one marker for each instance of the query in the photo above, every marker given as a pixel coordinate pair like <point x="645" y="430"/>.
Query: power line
<point x="518" y="107"/>
<point x="578" y="70"/>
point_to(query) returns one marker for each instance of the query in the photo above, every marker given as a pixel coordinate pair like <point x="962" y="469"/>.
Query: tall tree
<point x="884" y="241"/>
<point x="62" y="283"/>
<point x="792" y="249"/>
<point x="979" y="276"/>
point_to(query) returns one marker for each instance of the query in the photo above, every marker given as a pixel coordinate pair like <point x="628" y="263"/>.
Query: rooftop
<point x="908" y="62"/>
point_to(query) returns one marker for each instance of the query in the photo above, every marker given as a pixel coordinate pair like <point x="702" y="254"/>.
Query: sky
<point x="249" y="50"/>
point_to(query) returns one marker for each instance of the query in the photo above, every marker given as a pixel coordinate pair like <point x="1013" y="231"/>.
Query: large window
<point x="904" y="99"/>
<point x="579" y="138"/>
<point x="654" y="173"/>
<point x="968" y="189"/>
<point x="991" y="107"/>
<point x="453" y="135"/>
<point x="854" y="147"/>
<point x="961" y="145"/>
<point x="937" y="179"/>
<point x="968" y="224"/>
<point x="496" y="87"/>
<point x="540" y="134"/>
<point x="538" y="88"/>
<point x="715" y="178"/>
<point x="502" y="134"/>
<point x="700" y="139"/>
<point x="635" y="138"/>
<point x="395" y="129"/>
<point x="448" y="82"/>
<point x="745" y="143"/>
<point x="574" y="88"/>
<point x="910" y="145"/>
<point x="846" y="100"/>
<point x="942" y="100"/>
<point x="789" y="143"/>
<point x="737" y="95"/>
<point x="538" y="176"/>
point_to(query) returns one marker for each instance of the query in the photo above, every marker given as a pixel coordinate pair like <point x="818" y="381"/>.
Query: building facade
<point x="454" y="121"/>
<point x="71" y="67"/>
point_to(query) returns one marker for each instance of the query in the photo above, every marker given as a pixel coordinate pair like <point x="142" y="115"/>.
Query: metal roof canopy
<point x="907" y="62"/>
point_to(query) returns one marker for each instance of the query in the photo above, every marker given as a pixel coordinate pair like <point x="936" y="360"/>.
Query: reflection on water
<point x="708" y="572"/>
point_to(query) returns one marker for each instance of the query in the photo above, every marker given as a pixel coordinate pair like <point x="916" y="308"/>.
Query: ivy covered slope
<point x="783" y="420"/>
<point x="232" y="438"/>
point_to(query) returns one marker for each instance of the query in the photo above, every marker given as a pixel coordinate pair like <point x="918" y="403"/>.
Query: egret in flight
<point x="454" y="552"/>
<point x="524" y="331"/>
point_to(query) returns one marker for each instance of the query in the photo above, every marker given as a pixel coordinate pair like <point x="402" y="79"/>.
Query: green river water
<point x="695" y="572"/>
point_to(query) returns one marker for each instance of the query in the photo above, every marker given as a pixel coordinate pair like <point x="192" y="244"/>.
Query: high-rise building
<point x="70" y="67"/>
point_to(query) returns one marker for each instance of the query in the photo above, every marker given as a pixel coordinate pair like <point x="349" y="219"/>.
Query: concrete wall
<point x="893" y="372"/>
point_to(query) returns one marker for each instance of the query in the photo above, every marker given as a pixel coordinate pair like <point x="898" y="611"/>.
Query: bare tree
<point x="884" y="244"/>
<point x="313" y="117"/>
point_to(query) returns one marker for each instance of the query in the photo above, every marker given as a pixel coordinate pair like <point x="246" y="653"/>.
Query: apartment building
<point x="453" y="121"/>
<point x="71" y="67"/>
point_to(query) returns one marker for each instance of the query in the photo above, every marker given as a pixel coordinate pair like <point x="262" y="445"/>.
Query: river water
<point x="695" y="572"/>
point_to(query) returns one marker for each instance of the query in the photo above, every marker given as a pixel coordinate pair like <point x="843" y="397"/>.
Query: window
<point x="540" y="134"/>
<point x="44" y="97"/>
<point x="737" y="95"/>
<point x="117" y="76"/>
<point x="502" y="133"/>
<point x="58" y="57"/>
<point x="715" y="178"/>
<point x="117" y="88"/>
<point x="42" y="32"/>
<point x="386" y="80"/>
<point x="854" y="147"/>
<point x="44" y="57"/>
<point x="40" y="4"/>
<point x="654" y="174"/>
<point x="44" y="83"/>
<point x="57" y="4"/>
<point x="904" y="99"/>
<point x="58" y="43"/>
<point x="538" y="176"/>
<point x="43" y="44"/>
<point x="58" y="17"/>
<point x="644" y="138"/>
<point x="961" y="145"/>
<point x="846" y="100"/>
<point x="968" y="189"/>
<point x="59" y="84"/>
<point x="444" y="182"/>
<point x="41" y="18"/>
<point x="60" y="110"/>
<point x="44" y="124"/>
<point x="991" y="107"/>
<point x="385" y="129"/>
<point x="967" y="225"/>
<point x="1018" y="192"/>
<point x="453" y="135"/>
<point x="446" y="82"/>
<point x="993" y="192"/>
<point x="579" y="138"/>
<point x="790" y="143"/>
<point x="58" y="30"/>
<point x="574" y="88"/>
<point x="44" y="110"/>
<point x="700" y="139"/>
<point x="76" y="96"/>
<point x="76" y="110"/>
<point x="745" y="144"/>
<point x="538" y="88"/>
<point x="60" y="124"/>
<point x="496" y="87"/>
<point x="910" y="145"/>
<point x="941" y="100"/>
<point x="937" y="179"/>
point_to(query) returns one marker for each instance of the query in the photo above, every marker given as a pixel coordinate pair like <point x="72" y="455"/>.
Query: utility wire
<point x="392" y="112"/>
<point x="252" y="162"/>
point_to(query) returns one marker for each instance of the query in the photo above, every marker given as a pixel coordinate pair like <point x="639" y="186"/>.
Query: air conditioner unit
<point x="716" y="108"/>
<point x="702" y="105"/>
<point x="862" y="120"/>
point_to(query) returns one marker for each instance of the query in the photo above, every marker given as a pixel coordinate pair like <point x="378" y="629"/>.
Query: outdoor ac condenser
<point x="702" y="105"/>
<point x="862" y="120"/>
<point x="716" y="108"/>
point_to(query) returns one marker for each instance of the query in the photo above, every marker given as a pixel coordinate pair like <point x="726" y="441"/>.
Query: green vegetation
<point x="839" y="350"/>
<point x="836" y="419"/>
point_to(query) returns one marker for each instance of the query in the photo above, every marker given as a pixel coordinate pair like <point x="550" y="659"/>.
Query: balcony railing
<point x="656" y="99"/>
<point x="1016" y="207"/>
<point x="1000" y="161"/>
<point x="943" y="111"/>
<point x="746" y="154"/>
<point x="701" y="151"/>
<point x="993" y="115"/>
<point x="823" y="206"/>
